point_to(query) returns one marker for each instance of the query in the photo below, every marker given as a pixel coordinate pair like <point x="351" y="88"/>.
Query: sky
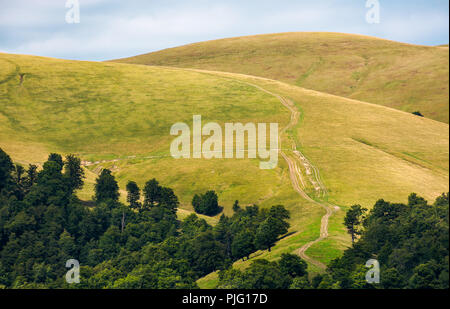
<point x="110" y="29"/>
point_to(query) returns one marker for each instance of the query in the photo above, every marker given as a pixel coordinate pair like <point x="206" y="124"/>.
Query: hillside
<point x="118" y="116"/>
<point x="123" y="114"/>
<point x="402" y="76"/>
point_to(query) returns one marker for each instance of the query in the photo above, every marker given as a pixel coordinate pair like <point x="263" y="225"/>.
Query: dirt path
<point x="299" y="180"/>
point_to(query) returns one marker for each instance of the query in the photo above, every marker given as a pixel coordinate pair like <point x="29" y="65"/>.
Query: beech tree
<point x="206" y="204"/>
<point x="243" y="245"/>
<point x="293" y="265"/>
<point x="267" y="234"/>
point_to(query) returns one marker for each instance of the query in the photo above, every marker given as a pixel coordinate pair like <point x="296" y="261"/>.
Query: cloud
<point x="113" y="28"/>
<point x="119" y="34"/>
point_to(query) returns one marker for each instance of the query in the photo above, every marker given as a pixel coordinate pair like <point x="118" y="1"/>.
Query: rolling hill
<point x="118" y="116"/>
<point x="402" y="76"/>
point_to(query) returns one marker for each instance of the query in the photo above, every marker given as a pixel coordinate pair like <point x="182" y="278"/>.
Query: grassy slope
<point x="402" y="76"/>
<point x="109" y="111"/>
<point x="364" y="152"/>
<point x="106" y="111"/>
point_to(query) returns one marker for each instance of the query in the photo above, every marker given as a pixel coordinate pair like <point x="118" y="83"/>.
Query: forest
<point x="139" y="245"/>
<point x="142" y="244"/>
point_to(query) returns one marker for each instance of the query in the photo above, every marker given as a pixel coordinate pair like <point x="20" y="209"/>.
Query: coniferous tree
<point x="168" y="199"/>
<point x="54" y="157"/>
<point x="206" y="204"/>
<point x="236" y="206"/>
<point x="197" y="204"/>
<point x="6" y="167"/>
<point x="74" y="172"/>
<point x="19" y="171"/>
<point x="106" y="187"/>
<point x="152" y="193"/>
<point x="31" y="177"/>
<point x="210" y="202"/>
<point x="133" y="195"/>
<point x="353" y="220"/>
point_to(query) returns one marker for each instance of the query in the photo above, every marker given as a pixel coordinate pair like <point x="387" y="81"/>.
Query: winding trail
<point x="299" y="180"/>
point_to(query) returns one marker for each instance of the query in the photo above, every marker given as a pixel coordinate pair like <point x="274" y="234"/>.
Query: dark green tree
<point x="19" y="171"/>
<point x="293" y="265"/>
<point x="74" y="172"/>
<point x="6" y="167"/>
<point x="300" y="283"/>
<point x="106" y="187"/>
<point x="425" y="276"/>
<point x="267" y="234"/>
<point x="50" y="188"/>
<point x="210" y="202"/>
<point x="392" y="279"/>
<point x="168" y="199"/>
<point x="207" y="204"/>
<point x="133" y="195"/>
<point x="207" y="254"/>
<point x="54" y="157"/>
<point x="193" y="225"/>
<point x="415" y="200"/>
<point x="279" y="212"/>
<point x="152" y="193"/>
<point x="263" y="274"/>
<point x="197" y="204"/>
<point x="243" y="245"/>
<point x="353" y="220"/>
<point x="110" y="242"/>
<point x="19" y="181"/>
<point x="236" y="206"/>
<point x="31" y="177"/>
<point x="224" y="233"/>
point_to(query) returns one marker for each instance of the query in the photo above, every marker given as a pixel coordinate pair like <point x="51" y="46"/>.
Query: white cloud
<point x="111" y="29"/>
<point x="120" y="33"/>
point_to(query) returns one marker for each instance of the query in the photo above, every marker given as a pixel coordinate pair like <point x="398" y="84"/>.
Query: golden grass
<point x="403" y="76"/>
<point x="114" y="111"/>
<point x="364" y="152"/>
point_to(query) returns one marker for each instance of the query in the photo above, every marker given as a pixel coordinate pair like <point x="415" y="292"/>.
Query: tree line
<point x="141" y="244"/>
<point x="409" y="241"/>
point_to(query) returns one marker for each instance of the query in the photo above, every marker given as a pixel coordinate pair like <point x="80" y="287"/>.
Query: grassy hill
<point x="118" y="116"/>
<point x="364" y="152"/>
<point x="403" y="76"/>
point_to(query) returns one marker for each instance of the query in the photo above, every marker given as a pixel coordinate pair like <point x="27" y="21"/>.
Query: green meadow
<point x="118" y="116"/>
<point x="403" y="76"/>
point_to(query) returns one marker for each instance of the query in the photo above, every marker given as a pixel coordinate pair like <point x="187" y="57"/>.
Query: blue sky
<point x="111" y="29"/>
